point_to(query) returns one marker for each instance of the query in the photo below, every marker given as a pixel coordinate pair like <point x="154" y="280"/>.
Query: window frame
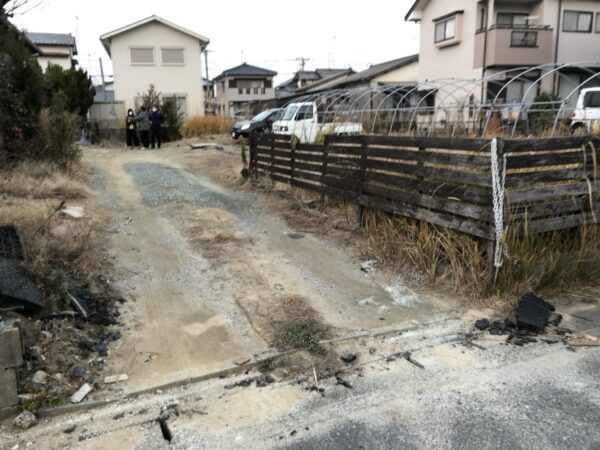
<point x="444" y="21"/>
<point x="142" y="47"/>
<point x="524" y="31"/>
<point x="572" y="11"/>
<point x="512" y="22"/>
<point x="597" y="28"/>
<point x="167" y="47"/>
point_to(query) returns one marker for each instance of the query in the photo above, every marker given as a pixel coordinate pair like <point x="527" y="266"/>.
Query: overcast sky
<point x="268" y="33"/>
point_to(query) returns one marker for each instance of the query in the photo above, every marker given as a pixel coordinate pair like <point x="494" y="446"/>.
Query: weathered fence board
<point x="446" y="182"/>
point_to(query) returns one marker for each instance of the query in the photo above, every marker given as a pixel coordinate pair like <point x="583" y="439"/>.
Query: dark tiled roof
<point x="246" y="70"/>
<point x="379" y="69"/>
<point x="51" y="39"/>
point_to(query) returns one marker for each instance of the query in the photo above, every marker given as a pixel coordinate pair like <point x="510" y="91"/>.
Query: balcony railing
<point x="518" y="45"/>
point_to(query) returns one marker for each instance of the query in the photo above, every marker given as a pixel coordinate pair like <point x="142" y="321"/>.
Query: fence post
<point x="324" y="169"/>
<point x="252" y="162"/>
<point x="272" y="156"/>
<point x="292" y="161"/>
<point x="362" y="177"/>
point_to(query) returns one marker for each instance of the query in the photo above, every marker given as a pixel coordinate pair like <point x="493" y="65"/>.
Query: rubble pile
<point x="534" y="320"/>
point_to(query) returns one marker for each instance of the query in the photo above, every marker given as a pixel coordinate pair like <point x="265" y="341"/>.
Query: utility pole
<point x="103" y="82"/>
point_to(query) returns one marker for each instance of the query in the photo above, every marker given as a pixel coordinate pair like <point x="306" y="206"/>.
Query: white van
<point x="586" y="116"/>
<point x="302" y="120"/>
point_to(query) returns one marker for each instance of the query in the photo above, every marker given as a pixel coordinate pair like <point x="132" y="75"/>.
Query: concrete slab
<point x="11" y="350"/>
<point x="8" y="388"/>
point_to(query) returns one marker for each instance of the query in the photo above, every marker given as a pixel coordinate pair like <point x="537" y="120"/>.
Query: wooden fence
<point x="550" y="183"/>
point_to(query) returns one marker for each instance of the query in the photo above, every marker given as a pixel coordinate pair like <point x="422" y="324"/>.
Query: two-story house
<point x="470" y="39"/>
<point x="54" y="48"/>
<point x="237" y="88"/>
<point x="156" y="51"/>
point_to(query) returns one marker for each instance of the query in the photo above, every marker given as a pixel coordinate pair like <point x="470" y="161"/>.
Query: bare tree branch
<point x="11" y="8"/>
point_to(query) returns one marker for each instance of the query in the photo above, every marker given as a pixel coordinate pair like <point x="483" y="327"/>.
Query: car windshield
<point x="289" y="112"/>
<point x="263" y="115"/>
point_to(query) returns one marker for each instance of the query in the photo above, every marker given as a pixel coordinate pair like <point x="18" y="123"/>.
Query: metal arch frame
<point x="398" y="88"/>
<point x="447" y="83"/>
<point x="410" y="92"/>
<point x="443" y="100"/>
<point x="538" y="81"/>
<point x="518" y="76"/>
<point x="396" y="99"/>
<point x="568" y="97"/>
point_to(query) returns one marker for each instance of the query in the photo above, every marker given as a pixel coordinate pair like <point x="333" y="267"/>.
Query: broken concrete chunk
<point x="40" y="377"/>
<point x="76" y="212"/>
<point x="367" y="266"/>
<point x="8" y="388"/>
<point x="25" y="420"/>
<point x="116" y="378"/>
<point x="81" y="393"/>
<point x="11" y="351"/>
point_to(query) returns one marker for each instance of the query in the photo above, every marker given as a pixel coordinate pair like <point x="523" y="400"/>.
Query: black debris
<point x="293" y="433"/>
<point x="342" y="382"/>
<point x="11" y="244"/>
<point x="533" y="312"/>
<point x="164" y="428"/>
<point x="119" y="416"/>
<point x="408" y="356"/>
<point x="482" y="324"/>
<point x="348" y="357"/>
<point x="295" y="235"/>
<point x="16" y="289"/>
<point x="69" y="429"/>
<point x="555" y="319"/>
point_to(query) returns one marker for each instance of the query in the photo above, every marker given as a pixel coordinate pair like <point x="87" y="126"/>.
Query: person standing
<point x="143" y="120"/>
<point x="156" y="121"/>
<point x="130" y="130"/>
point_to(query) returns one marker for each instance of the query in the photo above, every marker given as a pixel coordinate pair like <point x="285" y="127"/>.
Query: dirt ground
<point x="208" y="271"/>
<point x="214" y="278"/>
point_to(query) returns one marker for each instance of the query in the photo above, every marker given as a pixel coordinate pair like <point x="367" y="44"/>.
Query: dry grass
<point x="41" y="180"/>
<point x="57" y="247"/>
<point x="205" y="125"/>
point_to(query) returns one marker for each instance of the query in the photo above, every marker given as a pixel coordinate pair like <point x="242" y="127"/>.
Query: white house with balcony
<point x="468" y="39"/>
<point x="156" y="51"/>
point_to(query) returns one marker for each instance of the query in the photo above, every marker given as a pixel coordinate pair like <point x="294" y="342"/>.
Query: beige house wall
<point x="63" y="61"/>
<point x="408" y="73"/>
<point x="454" y="61"/>
<point x="181" y="80"/>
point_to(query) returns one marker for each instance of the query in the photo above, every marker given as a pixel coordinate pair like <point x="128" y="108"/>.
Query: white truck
<point x="586" y="116"/>
<point x="303" y="121"/>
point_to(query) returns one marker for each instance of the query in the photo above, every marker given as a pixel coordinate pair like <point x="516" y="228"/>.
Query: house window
<point x="445" y="30"/>
<point x="523" y="39"/>
<point x="180" y="101"/>
<point x="232" y="84"/>
<point x="578" y="21"/>
<point x="141" y="55"/>
<point x="172" y="56"/>
<point x="512" y="20"/>
<point x="597" y="22"/>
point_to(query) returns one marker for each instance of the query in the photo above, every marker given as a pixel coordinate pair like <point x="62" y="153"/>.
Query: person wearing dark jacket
<point x="143" y="120"/>
<point x="156" y="121"/>
<point x="130" y="130"/>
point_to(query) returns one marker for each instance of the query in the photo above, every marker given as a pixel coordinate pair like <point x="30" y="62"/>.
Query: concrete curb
<point x="232" y="370"/>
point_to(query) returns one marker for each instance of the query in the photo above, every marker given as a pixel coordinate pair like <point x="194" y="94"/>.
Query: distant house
<point x="305" y="78"/>
<point x="156" y="51"/>
<point x="237" y="88"/>
<point x="397" y="71"/>
<point x="54" y="48"/>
